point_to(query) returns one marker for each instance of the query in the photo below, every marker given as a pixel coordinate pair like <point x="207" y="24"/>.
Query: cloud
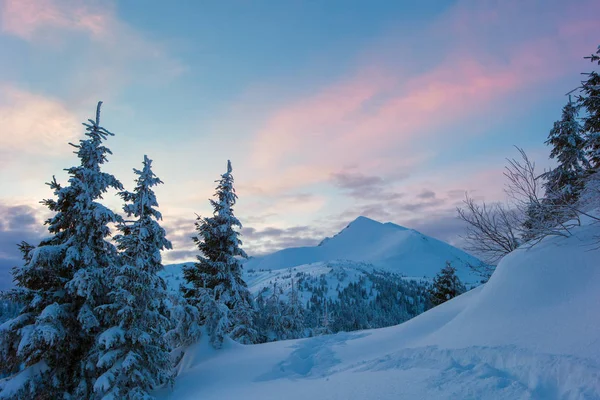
<point x="426" y="194"/>
<point x="34" y="125"/>
<point x="28" y="19"/>
<point x="362" y="186"/>
<point x="179" y="230"/>
<point x="19" y="223"/>
<point x="433" y="213"/>
<point x="270" y="239"/>
<point x="446" y="227"/>
<point x="256" y="241"/>
<point x="99" y="54"/>
<point x="257" y="208"/>
<point x="397" y="106"/>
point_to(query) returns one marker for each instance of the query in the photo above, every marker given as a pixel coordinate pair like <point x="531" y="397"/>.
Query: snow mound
<point x="386" y="246"/>
<point x="532" y="332"/>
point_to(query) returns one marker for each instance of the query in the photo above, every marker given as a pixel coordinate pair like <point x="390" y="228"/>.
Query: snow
<point x="9" y="388"/>
<point x="532" y="331"/>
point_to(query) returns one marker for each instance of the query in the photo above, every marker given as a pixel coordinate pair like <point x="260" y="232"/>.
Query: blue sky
<point x="328" y="110"/>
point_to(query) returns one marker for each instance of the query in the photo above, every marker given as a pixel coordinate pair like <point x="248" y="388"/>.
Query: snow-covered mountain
<point x="364" y="245"/>
<point x="385" y="246"/>
<point x="369" y="275"/>
<point x="531" y="332"/>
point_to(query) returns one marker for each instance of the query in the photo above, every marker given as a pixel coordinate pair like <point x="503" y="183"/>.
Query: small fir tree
<point x="62" y="282"/>
<point x="565" y="182"/>
<point x="325" y="321"/>
<point x="215" y="282"/>
<point x="132" y="351"/>
<point x="589" y="99"/>
<point x="446" y="285"/>
<point x="275" y="315"/>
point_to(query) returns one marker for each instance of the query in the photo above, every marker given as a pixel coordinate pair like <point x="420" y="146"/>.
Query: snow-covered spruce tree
<point x="446" y="285"/>
<point x="325" y="320"/>
<point x="215" y="282"/>
<point x="62" y="282"/>
<point x="564" y="183"/>
<point x="132" y="352"/>
<point x="589" y="99"/>
<point x="275" y="312"/>
<point x="261" y="317"/>
<point x="184" y="329"/>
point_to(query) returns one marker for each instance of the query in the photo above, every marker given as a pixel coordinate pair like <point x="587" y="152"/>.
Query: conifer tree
<point x="132" y="351"/>
<point x="275" y="315"/>
<point x="261" y="317"/>
<point x="446" y="285"/>
<point x="565" y="182"/>
<point x="293" y="320"/>
<point x="590" y="101"/>
<point x="62" y="282"/>
<point x="184" y="329"/>
<point x="326" y="320"/>
<point x="215" y="282"/>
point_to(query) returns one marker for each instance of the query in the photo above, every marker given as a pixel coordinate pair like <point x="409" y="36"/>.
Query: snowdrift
<point x="533" y="331"/>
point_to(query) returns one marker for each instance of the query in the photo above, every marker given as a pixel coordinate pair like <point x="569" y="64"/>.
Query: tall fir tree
<point x="446" y="285"/>
<point x="215" y="282"/>
<point x="62" y="282"/>
<point x="589" y="99"/>
<point x="132" y="352"/>
<point x="564" y="183"/>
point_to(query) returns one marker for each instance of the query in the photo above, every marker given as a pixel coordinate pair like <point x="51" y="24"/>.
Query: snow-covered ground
<point x="533" y="331"/>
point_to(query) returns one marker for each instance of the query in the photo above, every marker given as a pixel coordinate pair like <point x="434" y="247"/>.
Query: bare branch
<point x="541" y="217"/>
<point x="491" y="229"/>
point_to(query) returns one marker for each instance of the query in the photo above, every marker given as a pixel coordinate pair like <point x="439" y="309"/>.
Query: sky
<point x="327" y="110"/>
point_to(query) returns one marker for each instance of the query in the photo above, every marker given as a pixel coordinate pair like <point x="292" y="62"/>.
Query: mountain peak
<point x="364" y="221"/>
<point x="359" y="224"/>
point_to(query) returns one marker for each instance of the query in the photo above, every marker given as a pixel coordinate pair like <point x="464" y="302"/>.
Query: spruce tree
<point x="590" y="101"/>
<point x="446" y="285"/>
<point x="132" y="351"/>
<point x="62" y="282"/>
<point x="215" y="282"/>
<point x="261" y="317"/>
<point x="184" y="329"/>
<point x="293" y="319"/>
<point x="565" y="182"/>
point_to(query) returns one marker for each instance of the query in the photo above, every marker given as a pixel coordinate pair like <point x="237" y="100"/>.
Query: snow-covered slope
<point x="385" y="246"/>
<point x="533" y="331"/>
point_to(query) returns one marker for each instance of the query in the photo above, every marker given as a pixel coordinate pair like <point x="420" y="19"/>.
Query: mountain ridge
<point x="386" y="246"/>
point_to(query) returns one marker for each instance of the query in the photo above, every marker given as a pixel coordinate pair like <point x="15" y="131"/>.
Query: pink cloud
<point x="315" y="117"/>
<point x="113" y="54"/>
<point x="34" y="124"/>
<point x="27" y="18"/>
<point x="379" y="110"/>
